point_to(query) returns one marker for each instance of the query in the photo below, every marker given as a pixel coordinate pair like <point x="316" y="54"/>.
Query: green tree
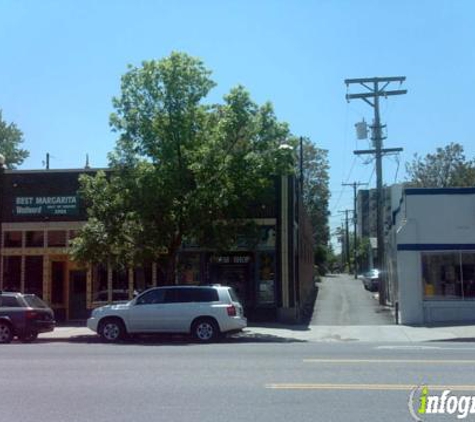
<point x="10" y="140"/>
<point x="316" y="192"/>
<point x="180" y="168"/>
<point x="447" y="167"/>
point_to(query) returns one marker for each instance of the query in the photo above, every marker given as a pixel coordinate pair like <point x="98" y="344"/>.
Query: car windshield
<point x="35" y="301"/>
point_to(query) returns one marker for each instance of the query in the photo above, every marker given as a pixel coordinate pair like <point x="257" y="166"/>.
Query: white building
<point x="431" y="255"/>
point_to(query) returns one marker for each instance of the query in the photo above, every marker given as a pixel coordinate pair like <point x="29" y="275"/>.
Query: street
<point x="254" y="376"/>
<point x="234" y="381"/>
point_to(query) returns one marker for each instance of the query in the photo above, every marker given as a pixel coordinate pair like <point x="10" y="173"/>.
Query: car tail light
<point x="231" y="309"/>
<point x="31" y="315"/>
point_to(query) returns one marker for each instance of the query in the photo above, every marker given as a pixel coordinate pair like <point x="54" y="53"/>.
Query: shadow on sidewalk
<point x="455" y="340"/>
<point x="172" y="340"/>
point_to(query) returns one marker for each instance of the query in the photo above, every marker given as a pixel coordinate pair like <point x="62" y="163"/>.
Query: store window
<point x="189" y="268"/>
<point x="34" y="275"/>
<point x="12" y="273"/>
<point x="266" y="281"/>
<point x="468" y="274"/>
<point x="35" y="239"/>
<point x="449" y="275"/>
<point x="58" y="279"/>
<point x="99" y="283"/>
<point x="56" y="238"/>
<point x="143" y="278"/>
<point x="267" y="237"/>
<point x="13" y="239"/>
<point x="120" y="285"/>
<point x="73" y="234"/>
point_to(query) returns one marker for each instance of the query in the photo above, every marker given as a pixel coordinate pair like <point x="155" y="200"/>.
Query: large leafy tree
<point x="181" y="169"/>
<point x="316" y="192"/>
<point x="447" y="167"/>
<point x="10" y="140"/>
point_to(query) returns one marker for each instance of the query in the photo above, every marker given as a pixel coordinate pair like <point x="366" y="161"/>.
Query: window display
<point x="448" y="275"/>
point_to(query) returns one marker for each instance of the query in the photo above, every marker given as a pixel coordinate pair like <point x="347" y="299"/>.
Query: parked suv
<point x="23" y="316"/>
<point x="205" y="312"/>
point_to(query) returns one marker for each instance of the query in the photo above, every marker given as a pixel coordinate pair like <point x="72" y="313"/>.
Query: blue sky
<point x="61" y="63"/>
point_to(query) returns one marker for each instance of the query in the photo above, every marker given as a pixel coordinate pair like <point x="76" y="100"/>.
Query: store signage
<point x="45" y="205"/>
<point x="235" y="259"/>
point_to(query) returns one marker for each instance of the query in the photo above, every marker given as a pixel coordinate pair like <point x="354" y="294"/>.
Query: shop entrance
<point x="58" y="289"/>
<point x="77" y="294"/>
<point x="68" y="289"/>
<point x="235" y="276"/>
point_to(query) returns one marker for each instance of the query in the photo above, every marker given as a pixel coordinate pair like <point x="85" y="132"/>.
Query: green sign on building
<point x="45" y="205"/>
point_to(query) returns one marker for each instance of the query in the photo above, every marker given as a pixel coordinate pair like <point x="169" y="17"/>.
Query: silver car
<point x="205" y="312"/>
<point x="371" y="280"/>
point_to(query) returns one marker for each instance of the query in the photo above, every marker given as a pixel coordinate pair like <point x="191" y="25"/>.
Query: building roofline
<point x="439" y="191"/>
<point x="78" y="170"/>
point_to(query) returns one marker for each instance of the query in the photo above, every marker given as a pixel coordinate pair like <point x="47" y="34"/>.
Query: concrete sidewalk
<point x="372" y="333"/>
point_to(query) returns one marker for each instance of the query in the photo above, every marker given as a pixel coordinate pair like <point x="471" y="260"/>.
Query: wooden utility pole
<point x="377" y="88"/>
<point x="355" y="215"/>
<point x="347" y="238"/>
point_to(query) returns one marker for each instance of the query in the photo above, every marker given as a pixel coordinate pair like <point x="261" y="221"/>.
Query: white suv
<point x="205" y="312"/>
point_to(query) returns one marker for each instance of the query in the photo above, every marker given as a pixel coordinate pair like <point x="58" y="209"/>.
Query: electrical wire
<point x="344" y="190"/>
<point x="398" y="162"/>
<point x="371" y="176"/>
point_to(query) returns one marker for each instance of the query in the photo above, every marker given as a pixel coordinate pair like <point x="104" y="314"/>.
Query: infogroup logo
<point x="422" y="404"/>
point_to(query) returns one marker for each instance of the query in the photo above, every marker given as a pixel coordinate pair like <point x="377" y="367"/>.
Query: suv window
<point x="186" y="295"/>
<point x="151" y="297"/>
<point x="178" y="296"/>
<point x="234" y="296"/>
<point x="9" y="302"/>
<point x="34" y="301"/>
<point x="207" y="295"/>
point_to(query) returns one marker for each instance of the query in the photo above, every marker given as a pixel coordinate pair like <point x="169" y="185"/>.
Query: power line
<point x="341" y="193"/>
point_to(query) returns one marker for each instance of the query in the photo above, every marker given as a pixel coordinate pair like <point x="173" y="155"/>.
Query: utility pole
<point x="342" y="239"/>
<point x="355" y="243"/>
<point x="377" y="88"/>
<point x="347" y="238"/>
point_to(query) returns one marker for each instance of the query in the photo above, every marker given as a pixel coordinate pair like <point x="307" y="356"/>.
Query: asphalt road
<point x="238" y="381"/>
<point x="342" y="300"/>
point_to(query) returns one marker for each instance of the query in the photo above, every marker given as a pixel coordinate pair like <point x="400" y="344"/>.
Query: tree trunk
<point x="172" y="260"/>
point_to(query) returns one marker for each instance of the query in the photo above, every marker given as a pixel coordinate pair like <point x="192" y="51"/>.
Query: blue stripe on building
<point x="436" y="247"/>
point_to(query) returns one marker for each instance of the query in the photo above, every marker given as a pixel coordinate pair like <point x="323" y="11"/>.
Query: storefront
<point x="434" y="235"/>
<point x="42" y="213"/>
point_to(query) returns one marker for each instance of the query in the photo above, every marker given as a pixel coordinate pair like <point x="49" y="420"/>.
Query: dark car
<point x="23" y="316"/>
<point x="371" y="280"/>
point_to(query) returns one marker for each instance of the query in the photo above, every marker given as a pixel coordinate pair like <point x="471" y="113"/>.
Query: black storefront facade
<point x="41" y="213"/>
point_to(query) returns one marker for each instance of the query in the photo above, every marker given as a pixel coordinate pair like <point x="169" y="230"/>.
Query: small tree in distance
<point x="10" y="140"/>
<point x="447" y="167"/>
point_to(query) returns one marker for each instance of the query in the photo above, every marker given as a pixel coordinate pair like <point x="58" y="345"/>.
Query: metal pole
<point x="374" y="94"/>
<point x="379" y="192"/>
<point x="355" y="244"/>
<point x="347" y="241"/>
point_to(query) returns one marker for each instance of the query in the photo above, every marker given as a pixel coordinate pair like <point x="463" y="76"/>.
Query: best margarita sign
<point x="45" y="205"/>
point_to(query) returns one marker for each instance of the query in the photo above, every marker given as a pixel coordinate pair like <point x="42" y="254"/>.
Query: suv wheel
<point x="111" y="330"/>
<point x="6" y="332"/>
<point x="205" y="330"/>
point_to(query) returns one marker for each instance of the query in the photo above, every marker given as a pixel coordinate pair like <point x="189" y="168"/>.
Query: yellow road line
<point x="387" y="387"/>
<point x="421" y="361"/>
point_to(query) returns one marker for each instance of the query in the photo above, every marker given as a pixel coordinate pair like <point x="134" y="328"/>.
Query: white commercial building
<point x="431" y="255"/>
